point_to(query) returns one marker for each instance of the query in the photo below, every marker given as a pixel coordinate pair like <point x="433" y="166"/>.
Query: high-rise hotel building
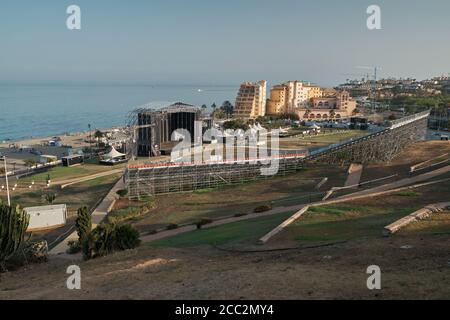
<point x="251" y="100"/>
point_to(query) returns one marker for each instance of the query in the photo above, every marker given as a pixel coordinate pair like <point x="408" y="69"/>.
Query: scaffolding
<point x="149" y="180"/>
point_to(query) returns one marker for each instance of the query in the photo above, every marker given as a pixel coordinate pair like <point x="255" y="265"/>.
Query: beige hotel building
<point x="287" y="97"/>
<point x="251" y="100"/>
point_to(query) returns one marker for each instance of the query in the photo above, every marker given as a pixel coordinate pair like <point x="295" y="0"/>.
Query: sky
<point x="212" y="42"/>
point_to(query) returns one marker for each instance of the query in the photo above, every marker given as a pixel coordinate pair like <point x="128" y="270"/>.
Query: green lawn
<point x="333" y="138"/>
<point x="321" y="139"/>
<point x="342" y="222"/>
<point x="242" y="232"/>
<point x="60" y="172"/>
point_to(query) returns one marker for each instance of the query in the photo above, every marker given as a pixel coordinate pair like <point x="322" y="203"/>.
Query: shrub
<point x="13" y="225"/>
<point x="74" y="247"/>
<point x="172" y="226"/>
<point x="122" y="192"/>
<point x="263" y="208"/>
<point x="126" y="237"/>
<point x="28" y="252"/>
<point x="203" y="222"/>
<point x="108" y="238"/>
<point x="408" y="194"/>
<point x="237" y="215"/>
<point x="130" y="213"/>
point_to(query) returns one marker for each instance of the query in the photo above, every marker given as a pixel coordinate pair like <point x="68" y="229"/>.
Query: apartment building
<point x="314" y="91"/>
<point x="251" y="100"/>
<point x="289" y="96"/>
<point x="278" y="102"/>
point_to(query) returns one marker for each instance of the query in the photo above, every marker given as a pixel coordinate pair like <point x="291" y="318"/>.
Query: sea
<point x="32" y="111"/>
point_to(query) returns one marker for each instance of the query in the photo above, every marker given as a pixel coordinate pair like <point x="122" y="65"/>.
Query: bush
<point x="74" y="247"/>
<point x="203" y="222"/>
<point x="172" y="226"/>
<point x="108" y="238"/>
<point x="408" y="194"/>
<point x="28" y="252"/>
<point x="126" y="237"/>
<point x="204" y="190"/>
<point x="263" y="208"/>
<point x="237" y="215"/>
<point x="122" y="192"/>
<point x="130" y="213"/>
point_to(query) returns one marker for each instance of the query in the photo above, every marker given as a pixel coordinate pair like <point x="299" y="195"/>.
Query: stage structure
<point x="152" y="128"/>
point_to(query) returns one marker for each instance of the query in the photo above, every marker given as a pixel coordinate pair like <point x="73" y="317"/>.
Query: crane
<point x="374" y="87"/>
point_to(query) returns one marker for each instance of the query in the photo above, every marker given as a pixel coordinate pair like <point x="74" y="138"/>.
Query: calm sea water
<point x="45" y="110"/>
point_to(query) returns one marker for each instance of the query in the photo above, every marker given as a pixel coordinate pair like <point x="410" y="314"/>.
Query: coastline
<point x="74" y="139"/>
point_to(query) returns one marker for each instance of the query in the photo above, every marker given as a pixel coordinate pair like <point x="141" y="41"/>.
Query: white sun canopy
<point x="113" y="154"/>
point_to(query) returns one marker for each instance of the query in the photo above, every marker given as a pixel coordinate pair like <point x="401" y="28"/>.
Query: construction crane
<point x="374" y="87"/>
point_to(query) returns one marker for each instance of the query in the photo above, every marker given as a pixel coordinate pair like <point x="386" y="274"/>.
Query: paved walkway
<point x="68" y="182"/>
<point x="97" y="216"/>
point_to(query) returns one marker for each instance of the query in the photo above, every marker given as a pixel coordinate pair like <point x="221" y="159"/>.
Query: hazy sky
<point x="220" y="42"/>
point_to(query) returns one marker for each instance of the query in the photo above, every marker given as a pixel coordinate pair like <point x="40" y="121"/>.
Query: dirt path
<point x="68" y="182"/>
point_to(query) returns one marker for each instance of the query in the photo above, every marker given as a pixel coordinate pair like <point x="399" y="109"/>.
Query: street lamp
<point x="90" y="140"/>
<point x="7" y="185"/>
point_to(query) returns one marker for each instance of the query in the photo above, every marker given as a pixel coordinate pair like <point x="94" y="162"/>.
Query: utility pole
<point x="374" y="87"/>
<point x="7" y="184"/>
<point x="90" y="140"/>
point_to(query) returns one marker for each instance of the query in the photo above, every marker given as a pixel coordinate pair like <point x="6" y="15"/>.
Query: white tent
<point x="113" y="154"/>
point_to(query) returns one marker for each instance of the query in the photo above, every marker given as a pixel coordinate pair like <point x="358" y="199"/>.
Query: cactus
<point x="13" y="225"/>
<point x="83" y="224"/>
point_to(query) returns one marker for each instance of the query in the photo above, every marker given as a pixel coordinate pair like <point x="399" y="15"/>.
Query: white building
<point x="46" y="217"/>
